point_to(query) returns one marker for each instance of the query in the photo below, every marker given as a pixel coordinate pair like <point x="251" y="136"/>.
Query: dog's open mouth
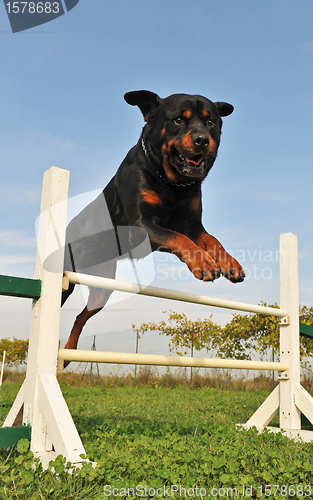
<point x="194" y="165"/>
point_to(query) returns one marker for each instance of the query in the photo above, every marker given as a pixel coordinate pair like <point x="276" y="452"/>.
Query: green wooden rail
<point x="30" y="289"/>
<point x="306" y="330"/>
<point x="10" y="436"/>
<point x="20" y="287"/>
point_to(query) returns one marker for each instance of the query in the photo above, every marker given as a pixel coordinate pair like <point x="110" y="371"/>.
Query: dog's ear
<point x="224" y="108"/>
<point x="145" y="100"/>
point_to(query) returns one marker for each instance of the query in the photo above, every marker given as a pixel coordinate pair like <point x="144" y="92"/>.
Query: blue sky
<point x="62" y="87"/>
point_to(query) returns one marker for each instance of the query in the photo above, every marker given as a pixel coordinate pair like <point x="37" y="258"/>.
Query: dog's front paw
<point x="231" y="269"/>
<point x="203" y="266"/>
<point x="228" y="266"/>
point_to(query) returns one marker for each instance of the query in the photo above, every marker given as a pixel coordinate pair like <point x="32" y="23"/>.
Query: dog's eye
<point x="210" y="122"/>
<point x="179" y="120"/>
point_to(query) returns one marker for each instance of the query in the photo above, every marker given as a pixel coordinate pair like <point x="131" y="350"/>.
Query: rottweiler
<point x="156" y="191"/>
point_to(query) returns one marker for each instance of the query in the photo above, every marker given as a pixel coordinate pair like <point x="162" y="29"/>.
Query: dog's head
<point x="182" y="132"/>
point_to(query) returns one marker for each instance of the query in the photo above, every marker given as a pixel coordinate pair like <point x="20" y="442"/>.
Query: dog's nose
<point x="201" y="140"/>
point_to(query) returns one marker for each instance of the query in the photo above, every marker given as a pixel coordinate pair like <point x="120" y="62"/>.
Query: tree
<point x="184" y="333"/>
<point x="244" y="335"/>
<point x="16" y="351"/>
<point x="306" y="344"/>
<point x="247" y="333"/>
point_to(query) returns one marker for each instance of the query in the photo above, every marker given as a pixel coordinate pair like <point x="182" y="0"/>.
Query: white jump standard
<point x="40" y="401"/>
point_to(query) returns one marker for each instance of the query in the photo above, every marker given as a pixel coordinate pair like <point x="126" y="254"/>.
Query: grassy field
<point x="158" y="442"/>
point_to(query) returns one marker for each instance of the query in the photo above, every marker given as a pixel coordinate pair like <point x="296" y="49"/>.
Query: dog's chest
<point x="177" y="209"/>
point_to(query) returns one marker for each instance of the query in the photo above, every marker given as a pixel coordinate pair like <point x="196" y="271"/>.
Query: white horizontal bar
<point x="157" y="360"/>
<point x="123" y="286"/>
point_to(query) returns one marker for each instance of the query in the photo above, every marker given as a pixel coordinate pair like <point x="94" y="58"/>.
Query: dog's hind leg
<point x="96" y="301"/>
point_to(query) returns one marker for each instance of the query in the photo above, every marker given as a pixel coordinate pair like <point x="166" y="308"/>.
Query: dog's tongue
<point x="194" y="162"/>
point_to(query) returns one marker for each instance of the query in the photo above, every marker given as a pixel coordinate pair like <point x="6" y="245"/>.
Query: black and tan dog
<point x="157" y="190"/>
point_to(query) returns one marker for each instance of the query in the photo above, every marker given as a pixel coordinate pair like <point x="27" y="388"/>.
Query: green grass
<point x="158" y="437"/>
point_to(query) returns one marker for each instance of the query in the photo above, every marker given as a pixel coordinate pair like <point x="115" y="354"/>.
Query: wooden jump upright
<point x="40" y="402"/>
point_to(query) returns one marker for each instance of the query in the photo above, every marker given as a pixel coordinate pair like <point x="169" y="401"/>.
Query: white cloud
<point x="6" y="260"/>
<point x="17" y="239"/>
<point x="16" y="264"/>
